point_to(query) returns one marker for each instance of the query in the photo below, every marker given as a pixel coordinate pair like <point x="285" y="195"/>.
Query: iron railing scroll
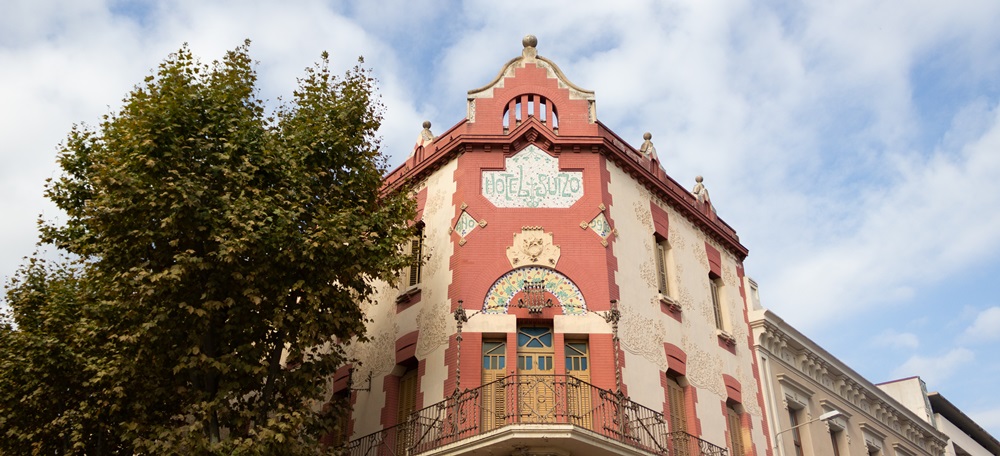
<point x="532" y="399"/>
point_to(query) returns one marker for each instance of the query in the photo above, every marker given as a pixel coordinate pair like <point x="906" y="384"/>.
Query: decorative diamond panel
<point x="601" y="226"/>
<point x="465" y="224"/>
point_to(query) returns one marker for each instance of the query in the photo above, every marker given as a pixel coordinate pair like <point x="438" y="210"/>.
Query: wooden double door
<point x="541" y="396"/>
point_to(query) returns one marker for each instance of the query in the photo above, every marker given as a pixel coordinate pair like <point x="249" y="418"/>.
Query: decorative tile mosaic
<point x="465" y="224"/>
<point x="531" y="178"/>
<point x="499" y="298"/>
<point x="601" y="226"/>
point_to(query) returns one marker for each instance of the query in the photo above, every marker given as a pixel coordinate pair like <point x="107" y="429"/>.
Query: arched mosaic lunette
<point x="502" y="292"/>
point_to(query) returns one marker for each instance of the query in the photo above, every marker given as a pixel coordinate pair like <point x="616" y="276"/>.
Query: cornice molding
<point x="830" y="377"/>
<point x="452" y="143"/>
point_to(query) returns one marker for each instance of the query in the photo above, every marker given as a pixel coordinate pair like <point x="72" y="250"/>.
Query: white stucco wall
<point x="644" y="327"/>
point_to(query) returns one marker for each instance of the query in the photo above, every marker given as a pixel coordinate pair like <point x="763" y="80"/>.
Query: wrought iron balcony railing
<point x="532" y="399"/>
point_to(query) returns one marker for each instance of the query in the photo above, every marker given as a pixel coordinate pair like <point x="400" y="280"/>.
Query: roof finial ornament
<point x="529" y="42"/>
<point x="701" y="193"/>
<point x="646" y="149"/>
<point x="426" y="137"/>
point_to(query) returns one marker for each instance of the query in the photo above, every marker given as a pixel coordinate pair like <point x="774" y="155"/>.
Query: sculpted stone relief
<point x="643" y="215"/>
<point x="687" y="302"/>
<point x="642" y="335"/>
<point x="378" y="356"/>
<point x="532" y="246"/>
<point x="703" y="368"/>
<point x="435" y="201"/>
<point x="647" y="271"/>
<point x="676" y="239"/>
<point x="699" y="253"/>
<point x="434" y="262"/>
<point x="706" y="309"/>
<point x="435" y="323"/>
<point x="749" y="391"/>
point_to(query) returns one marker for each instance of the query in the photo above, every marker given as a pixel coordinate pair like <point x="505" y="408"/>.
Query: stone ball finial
<point x="647" y="136"/>
<point x="529" y="41"/>
<point x="698" y="178"/>
<point x="427" y="124"/>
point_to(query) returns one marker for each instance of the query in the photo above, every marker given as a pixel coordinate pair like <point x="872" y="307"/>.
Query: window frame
<point x="734" y="424"/>
<point x="716" y="288"/>
<point x="414" y="272"/>
<point x="662" y="254"/>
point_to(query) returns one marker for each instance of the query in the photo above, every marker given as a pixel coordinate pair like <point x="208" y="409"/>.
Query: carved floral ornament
<point x="533" y="246"/>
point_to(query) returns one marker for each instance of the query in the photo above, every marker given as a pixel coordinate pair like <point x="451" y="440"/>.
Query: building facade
<point x="574" y="298"/>
<point x="965" y="436"/>
<point x="817" y="405"/>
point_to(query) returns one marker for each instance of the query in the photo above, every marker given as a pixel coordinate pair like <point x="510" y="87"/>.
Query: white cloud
<point x="935" y="369"/>
<point x="985" y="328"/>
<point x="892" y="339"/>
<point x="918" y="227"/>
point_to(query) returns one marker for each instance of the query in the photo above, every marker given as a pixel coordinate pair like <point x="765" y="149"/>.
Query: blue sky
<point x="854" y="145"/>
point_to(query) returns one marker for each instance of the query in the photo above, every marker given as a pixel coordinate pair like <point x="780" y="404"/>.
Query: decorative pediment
<point x="533" y="246"/>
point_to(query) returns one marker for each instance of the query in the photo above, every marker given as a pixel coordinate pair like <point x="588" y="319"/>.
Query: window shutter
<point x="415" y="248"/>
<point x="735" y="432"/>
<point x="494" y="399"/>
<point x="716" y="305"/>
<point x="678" y="421"/>
<point x="661" y="266"/>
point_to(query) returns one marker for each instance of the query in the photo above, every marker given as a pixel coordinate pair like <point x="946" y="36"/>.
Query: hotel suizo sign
<point x="531" y="178"/>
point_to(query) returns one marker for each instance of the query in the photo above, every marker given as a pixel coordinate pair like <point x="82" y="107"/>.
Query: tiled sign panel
<point x="531" y="178"/>
<point x="600" y="225"/>
<point x="465" y="224"/>
<point x="508" y="285"/>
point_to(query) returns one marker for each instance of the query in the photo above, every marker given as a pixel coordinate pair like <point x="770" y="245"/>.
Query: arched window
<point x="521" y="107"/>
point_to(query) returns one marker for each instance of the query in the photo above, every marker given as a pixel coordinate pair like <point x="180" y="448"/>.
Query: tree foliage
<point x="223" y="256"/>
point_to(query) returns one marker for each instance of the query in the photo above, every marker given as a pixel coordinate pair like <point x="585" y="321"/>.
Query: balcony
<point x="522" y="411"/>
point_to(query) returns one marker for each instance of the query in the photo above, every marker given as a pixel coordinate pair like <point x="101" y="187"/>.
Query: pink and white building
<point x="574" y="299"/>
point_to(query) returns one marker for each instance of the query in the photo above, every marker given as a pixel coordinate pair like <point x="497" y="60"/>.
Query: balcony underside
<point x="554" y="439"/>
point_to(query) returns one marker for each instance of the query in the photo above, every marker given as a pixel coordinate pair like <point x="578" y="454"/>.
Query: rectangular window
<point x="576" y="360"/>
<point x="578" y="392"/>
<point x="405" y="407"/>
<point x="716" y="284"/>
<point x="835" y="440"/>
<point x="494" y="395"/>
<point x="734" y="424"/>
<point x="407" y="395"/>
<point x="343" y="419"/>
<point x="676" y="402"/>
<point x="662" y="266"/>
<point x="793" y="418"/>
<point x="494" y="354"/>
<point x="416" y="248"/>
<point x="681" y="445"/>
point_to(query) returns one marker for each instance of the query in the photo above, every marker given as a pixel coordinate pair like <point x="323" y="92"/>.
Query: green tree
<point x="224" y="255"/>
<point x="45" y="364"/>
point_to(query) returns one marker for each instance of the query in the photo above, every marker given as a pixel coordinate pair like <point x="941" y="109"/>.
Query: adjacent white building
<point x="965" y="436"/>
<point x="817" y="405"/>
